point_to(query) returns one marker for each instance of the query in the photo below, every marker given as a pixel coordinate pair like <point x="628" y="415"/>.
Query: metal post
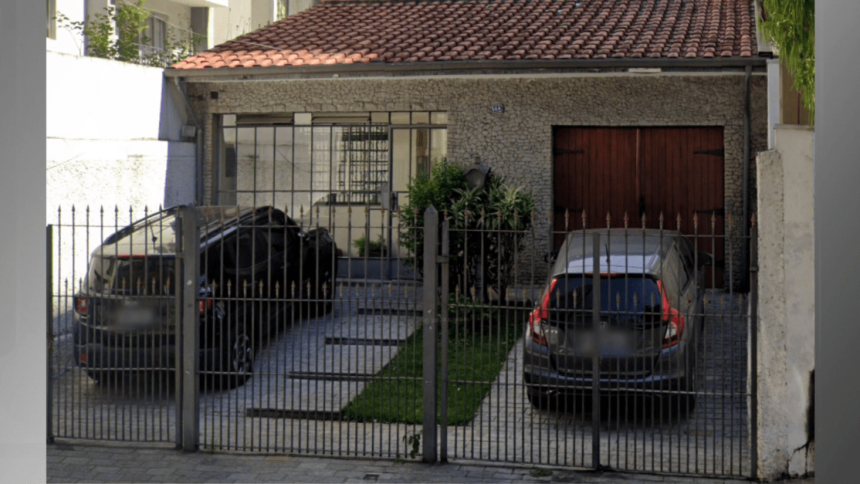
<point x="443" y="395"/>
<point x="431" y="241"/>
<point x="49" y="294"/>
<point x="187" y="363"/>
<point x="595" y="357"/>
<point x="752" y="373"/>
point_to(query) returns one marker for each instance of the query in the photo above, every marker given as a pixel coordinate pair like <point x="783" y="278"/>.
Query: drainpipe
<point x="198" y="138"/>
<point x="746" y="180"/>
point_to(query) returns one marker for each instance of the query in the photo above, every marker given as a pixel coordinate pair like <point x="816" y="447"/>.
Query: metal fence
<point x="255" y="334"/>
<point x="624" y="358"/>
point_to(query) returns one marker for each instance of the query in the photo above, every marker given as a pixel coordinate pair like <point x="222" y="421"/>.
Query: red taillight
<point x="676" y="320"/>
<point x="80" y="303"/>
<point x="539" y="314"/>
<point x="83" y="357"/>
<point x="205" y="305"/>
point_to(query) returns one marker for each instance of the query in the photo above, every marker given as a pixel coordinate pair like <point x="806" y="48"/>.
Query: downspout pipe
<point x="746" y="177"/>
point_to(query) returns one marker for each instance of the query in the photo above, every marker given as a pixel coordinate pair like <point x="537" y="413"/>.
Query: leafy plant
<point x="119" y="35"/>
<point x="541" y="473"/>
<point x="374" y="248"/>
<point x="487" y="225"/>
<point x="130" y="26"/>
<point x="414" y="442"/>
<point x="790" y="24"/>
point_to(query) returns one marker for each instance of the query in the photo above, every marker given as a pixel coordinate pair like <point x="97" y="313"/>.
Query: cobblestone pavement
<point x="72" y="462"/>
<point x="712" y="439"/>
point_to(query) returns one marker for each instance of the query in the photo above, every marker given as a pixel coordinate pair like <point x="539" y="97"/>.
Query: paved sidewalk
<point x="116" y="462"/>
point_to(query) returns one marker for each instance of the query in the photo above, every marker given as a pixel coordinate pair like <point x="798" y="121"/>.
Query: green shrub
<point x="487" y="225"/>
<point x="375" y="248"/>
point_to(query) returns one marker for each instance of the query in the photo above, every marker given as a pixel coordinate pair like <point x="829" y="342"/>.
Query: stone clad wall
<point x="518" y="143"/>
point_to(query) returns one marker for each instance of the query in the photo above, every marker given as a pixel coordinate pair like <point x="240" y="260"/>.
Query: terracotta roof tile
<point x="393" y="31"/>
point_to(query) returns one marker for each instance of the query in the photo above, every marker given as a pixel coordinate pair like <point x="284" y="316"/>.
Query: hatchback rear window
<point x="628" y="295"/>
<point x="144" y="276"/>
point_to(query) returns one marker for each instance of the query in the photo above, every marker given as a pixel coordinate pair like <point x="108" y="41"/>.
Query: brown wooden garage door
<point x="642" y="171"/>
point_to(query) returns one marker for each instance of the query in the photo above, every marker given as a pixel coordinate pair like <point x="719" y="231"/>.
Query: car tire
<point x="540" y="399"/>
<point x="237" y="356"/>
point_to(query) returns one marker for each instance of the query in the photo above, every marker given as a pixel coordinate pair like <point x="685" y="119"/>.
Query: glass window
<point x="420" y="118"/>
<point x="52" y="22"/>
<point x="404" y="169"/>
<point x="438" y="145"/>
<point x="379" y="118"/>
<point x="438" y="118"/>
<point x="154" y="38"/>
<point x="400" y="118"/>
<point x="421" y="150"/>
<point x="227" y="193"/>
<point x="302" y="167"/>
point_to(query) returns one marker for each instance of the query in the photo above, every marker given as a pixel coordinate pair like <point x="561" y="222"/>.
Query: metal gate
<point x="613" y="355"/>
<point x="105" y="381"/>
<point x="248" y="337"/>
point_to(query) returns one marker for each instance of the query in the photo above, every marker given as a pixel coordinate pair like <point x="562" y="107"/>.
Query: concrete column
<point x="786" y="309"/>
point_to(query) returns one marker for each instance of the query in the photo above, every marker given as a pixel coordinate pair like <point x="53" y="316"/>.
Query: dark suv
<point x="650" y="318"/>
<point x="257" y="268"/>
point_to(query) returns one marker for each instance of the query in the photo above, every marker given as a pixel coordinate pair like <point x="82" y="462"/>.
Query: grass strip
<point x="480" y="339"/>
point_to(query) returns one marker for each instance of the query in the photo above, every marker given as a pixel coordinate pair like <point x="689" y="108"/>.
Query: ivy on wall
<point x="790" y="24"/>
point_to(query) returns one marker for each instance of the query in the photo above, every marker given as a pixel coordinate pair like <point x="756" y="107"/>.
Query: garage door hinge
<point x="558" y="151"/>
<point x="720" y="152"/>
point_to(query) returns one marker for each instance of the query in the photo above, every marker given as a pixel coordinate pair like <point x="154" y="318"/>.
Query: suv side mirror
<point x="550" y="257"/>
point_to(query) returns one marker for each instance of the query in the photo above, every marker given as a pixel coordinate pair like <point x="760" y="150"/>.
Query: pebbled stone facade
<point x="518" y="143"/>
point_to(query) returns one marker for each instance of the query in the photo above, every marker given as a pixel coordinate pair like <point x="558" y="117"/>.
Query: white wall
<point x="91" y="98"/>
<point x="113" y="141"/>
<point x="786" y="315"/>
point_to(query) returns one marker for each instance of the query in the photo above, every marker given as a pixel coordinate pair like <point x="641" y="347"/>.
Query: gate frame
<point x="436" y="277"/>
<point x="187" y="391"/>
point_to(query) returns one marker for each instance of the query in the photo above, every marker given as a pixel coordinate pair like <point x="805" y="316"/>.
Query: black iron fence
<point x="226" y="329"/>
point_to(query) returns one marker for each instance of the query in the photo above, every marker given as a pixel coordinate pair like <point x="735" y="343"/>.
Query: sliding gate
<point x="625" y="359"/>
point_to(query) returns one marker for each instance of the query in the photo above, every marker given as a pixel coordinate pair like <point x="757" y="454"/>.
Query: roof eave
<point x="464" y="67"/>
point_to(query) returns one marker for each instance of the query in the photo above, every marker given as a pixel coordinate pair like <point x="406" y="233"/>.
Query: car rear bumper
<point x="98" y="358"/>
<point x="670" y="373"/>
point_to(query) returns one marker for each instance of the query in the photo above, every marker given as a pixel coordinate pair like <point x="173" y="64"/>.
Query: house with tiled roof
<point x="636" y="107"/>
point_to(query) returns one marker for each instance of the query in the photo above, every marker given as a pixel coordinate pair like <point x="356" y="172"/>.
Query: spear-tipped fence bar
<point x="322" y="381"/>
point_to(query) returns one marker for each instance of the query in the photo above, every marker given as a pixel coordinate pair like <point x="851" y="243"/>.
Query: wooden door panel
<point x="683" y="176"/>
<point x="676" y="171"/>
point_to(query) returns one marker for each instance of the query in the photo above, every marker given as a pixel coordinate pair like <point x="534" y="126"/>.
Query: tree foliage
<point x="119" y="35"/>
<point x="790" y="24"/>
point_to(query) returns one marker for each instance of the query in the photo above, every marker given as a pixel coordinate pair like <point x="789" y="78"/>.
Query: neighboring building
<point x="216" y="21"/>
<point x="620" y="107"/>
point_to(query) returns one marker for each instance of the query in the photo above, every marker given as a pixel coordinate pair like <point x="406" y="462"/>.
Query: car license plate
<point x="610" y="341"/>
<point x="135" y="318"/>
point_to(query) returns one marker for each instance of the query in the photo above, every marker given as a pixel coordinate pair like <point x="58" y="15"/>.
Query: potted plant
<point x="373" y="248"/>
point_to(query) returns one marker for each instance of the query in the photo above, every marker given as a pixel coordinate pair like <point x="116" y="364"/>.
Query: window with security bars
<point x="363" y="167"/>
<point x="306" y="161"/>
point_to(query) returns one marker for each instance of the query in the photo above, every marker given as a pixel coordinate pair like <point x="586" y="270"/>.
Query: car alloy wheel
<point x="242" y="354"/>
